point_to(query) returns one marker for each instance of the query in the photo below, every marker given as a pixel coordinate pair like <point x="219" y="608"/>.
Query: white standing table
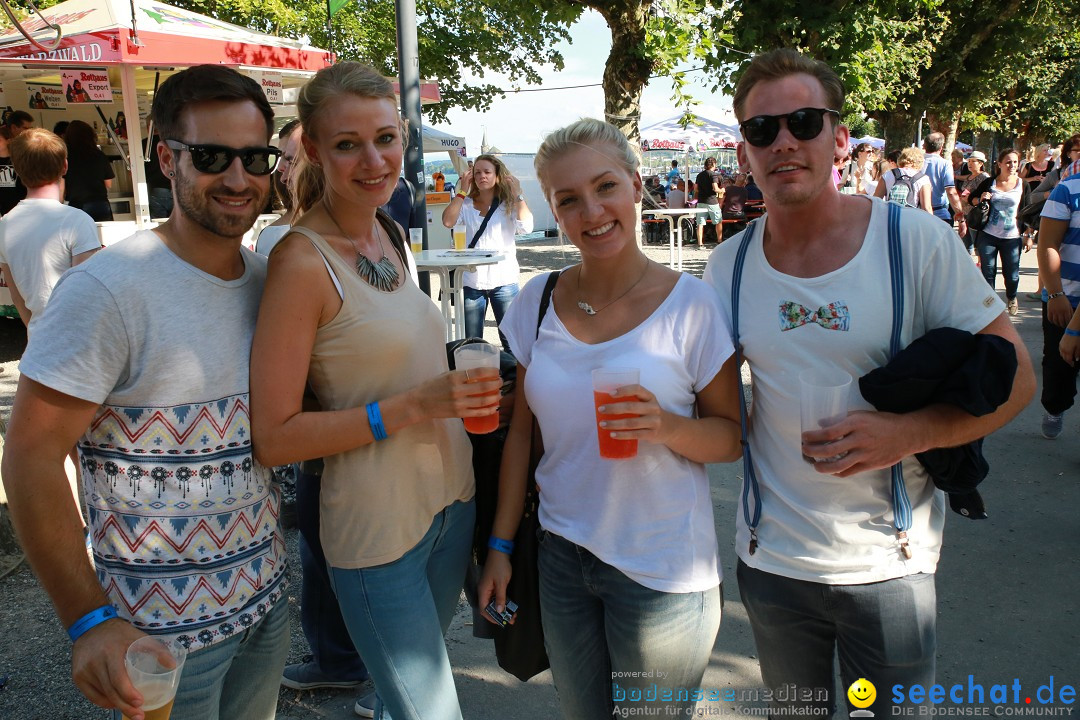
<point x="673" y="217"/>
<point x="454" y="264"/>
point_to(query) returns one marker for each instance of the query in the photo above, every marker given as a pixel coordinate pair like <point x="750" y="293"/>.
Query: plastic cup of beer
<point x="473" y="356"/>
<point x="154" y="667"/>
<point x="823" y="401"/>
<point x="416" y="239"/>
<point x="459" y="237"/>
<point x="605" y="382"/>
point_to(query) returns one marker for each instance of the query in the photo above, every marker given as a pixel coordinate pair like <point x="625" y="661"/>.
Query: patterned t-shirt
<point x="1064" y="204"/>
<point x="184" y="522"/>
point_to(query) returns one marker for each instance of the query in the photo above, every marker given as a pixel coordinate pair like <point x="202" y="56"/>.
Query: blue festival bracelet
<point x="503" y="546"/>
<point x="374" y="418"/>
<point x="1071" y="332"/>
<point x="90" y="620"/>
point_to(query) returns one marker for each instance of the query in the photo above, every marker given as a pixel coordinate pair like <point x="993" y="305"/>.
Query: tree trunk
<point x="626" y="72"/>
<point x="898" y="129"/>
<point x="948" y="125"/>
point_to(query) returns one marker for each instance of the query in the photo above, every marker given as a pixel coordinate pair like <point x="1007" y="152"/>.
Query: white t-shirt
<point x="814" y="526"/>
<point x="270" y="236"/>
<point x="182" y="518"/>
<point x="922" y="182"/>
<point x="38" y="238"/>
<point x="1003" y="207"/>
<point x="651" y="516"/>
<point x="498" y="236"/>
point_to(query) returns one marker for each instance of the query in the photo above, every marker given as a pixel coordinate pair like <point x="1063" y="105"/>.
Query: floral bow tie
<point x="834" y="316"/>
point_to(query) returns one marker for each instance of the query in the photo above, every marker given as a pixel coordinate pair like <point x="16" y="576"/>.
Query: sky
<point x="519" y="122"/>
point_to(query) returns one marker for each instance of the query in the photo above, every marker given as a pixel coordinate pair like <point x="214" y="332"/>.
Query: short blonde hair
<point x="911" y="157"/>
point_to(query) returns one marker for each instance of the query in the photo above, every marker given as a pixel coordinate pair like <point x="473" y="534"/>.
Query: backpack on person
<point x="903" y="190"/>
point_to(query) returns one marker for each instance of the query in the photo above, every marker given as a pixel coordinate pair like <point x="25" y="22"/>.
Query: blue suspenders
<point x="751" y="493"/>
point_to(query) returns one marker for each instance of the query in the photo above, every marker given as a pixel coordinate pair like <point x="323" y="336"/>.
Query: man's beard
<point x="198" y="207"/>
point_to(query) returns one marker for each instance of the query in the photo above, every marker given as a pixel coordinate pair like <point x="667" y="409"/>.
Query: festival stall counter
<point x="119" y="51"/>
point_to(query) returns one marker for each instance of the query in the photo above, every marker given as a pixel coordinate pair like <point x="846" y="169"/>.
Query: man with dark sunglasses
<point x="828" y="562"/>
<point x="141" y="357"/>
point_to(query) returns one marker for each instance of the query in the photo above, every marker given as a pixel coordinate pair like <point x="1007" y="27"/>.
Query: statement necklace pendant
<point x="586" y="307"/>
<point x="382" y="275"/>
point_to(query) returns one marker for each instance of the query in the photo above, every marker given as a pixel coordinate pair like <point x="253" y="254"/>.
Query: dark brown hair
<point x="204" y="83"/>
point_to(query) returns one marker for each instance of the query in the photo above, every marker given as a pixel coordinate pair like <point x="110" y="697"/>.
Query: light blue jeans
<point x="476" y="302"/>
<point x="602" y="631"/>
<point x="238" y="678"/>
<point x="884" y="632"/>
<point x="398" y="614"/>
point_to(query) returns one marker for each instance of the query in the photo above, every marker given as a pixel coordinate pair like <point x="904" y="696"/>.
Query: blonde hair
<point x="345" y="78"/>
<point x="502" y="175"/>
<point x="911" y="157"/>
<point x="587" y="132"/>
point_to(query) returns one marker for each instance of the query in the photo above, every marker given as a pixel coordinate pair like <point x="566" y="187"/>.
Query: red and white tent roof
<point x="670" y="135"/>
<point x="107" y="32"/>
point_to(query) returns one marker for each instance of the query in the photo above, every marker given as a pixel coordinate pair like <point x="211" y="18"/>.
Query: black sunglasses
<point x="214" y="159"/>
<point x="804" y="124"/>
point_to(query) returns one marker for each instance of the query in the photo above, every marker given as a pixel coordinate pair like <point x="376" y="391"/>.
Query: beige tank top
<point x="378" y="501"/>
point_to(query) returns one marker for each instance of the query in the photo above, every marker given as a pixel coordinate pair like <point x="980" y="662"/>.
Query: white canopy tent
<point x="872" y="141"/>
<point x="670" y="135"/>
<point x="437" y="140"/>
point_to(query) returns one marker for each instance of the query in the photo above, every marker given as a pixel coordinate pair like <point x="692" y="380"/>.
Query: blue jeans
<point x="988" y="247"/>
<point x="398" y="615"/>
<point x="320" y="616"/>
<point x="238" y="678"/>
<point x="600" y="627"/>
<point x="476" y="302"/>
<point x="884" y="632"/>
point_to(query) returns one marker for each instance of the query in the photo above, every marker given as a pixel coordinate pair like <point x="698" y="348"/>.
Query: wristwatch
<point x="520" y="197"/>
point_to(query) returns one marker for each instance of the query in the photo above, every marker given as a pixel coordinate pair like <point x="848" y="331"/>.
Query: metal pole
<point x="409" y="82"/>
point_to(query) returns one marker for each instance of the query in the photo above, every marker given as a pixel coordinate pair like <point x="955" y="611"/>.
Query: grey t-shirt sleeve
<point x="80" y="346"/>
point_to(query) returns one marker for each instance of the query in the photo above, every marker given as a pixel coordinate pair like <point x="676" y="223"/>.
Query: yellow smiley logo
<point x="862" y="693"/>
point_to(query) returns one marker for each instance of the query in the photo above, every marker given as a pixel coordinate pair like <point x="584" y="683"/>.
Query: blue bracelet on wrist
<point x="90" y="620"/>
<point x="374" y="418"/>
<point x="503" y="546"/>
<point x="1071" y="332"/>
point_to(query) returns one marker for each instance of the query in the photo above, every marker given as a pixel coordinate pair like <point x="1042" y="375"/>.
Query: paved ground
<point x="1006" y="585"/>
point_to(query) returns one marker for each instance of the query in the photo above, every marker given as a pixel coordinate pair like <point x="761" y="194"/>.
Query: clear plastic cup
<point x="459" y="237"/>
<point x="154" y="667"/>
<point x="605" y="382"/>
<point x="824" y="395"/>
<point x="480" y="355"/>
<point x="416" y="239"/>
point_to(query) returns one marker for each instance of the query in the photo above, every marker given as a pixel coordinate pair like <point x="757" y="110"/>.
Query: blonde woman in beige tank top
<point x="342" y="314"/>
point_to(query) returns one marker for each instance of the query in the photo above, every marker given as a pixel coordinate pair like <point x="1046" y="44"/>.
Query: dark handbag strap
<point x="545" y="298"/>
<point x="483" y="225"/>
<point x="751" y="492"/>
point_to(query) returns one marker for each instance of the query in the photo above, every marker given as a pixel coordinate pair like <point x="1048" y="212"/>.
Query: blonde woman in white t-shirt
<point x="628" y="562"/>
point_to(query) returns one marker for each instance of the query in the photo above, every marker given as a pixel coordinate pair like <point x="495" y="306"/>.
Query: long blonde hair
<point x="353" y="78"/>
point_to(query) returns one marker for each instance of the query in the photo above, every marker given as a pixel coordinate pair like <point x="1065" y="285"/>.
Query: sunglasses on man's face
<point x="215" y="159"/>
<point x="803" y="124"/>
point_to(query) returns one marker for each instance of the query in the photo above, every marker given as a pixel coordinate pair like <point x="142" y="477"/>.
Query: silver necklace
<point x="381" y="275"/>
<point x="588" y="309"/>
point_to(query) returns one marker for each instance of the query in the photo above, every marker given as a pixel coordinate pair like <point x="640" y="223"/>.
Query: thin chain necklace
<point x="380" y="275"/>
<point x="588" y="309"/>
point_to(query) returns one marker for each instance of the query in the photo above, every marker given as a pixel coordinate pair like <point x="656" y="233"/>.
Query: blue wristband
<point x="90" y="620"/>
<point x="374" y="418"/>
<point x="1073" y="333"/>
<point x="503" y="546"/>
